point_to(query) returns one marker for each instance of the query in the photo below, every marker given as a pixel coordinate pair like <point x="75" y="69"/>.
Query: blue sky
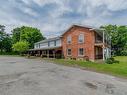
<point x="53" y="17"/>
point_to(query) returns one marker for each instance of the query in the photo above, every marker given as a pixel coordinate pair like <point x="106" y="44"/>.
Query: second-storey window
<point x="51" y="43"/>
<point x="58" y="42"/>
<point x="37" y="46"/>
<point x="42" y="45"/>
<point x="81" y="38"/>
<point x="69" y="39"/>
<point x="68" y="52"/>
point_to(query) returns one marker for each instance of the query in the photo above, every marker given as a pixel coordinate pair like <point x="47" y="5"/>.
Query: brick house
<point x="78" y="42"/>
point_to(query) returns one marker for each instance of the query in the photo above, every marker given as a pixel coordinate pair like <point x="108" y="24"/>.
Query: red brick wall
<point x="88" y="44"/>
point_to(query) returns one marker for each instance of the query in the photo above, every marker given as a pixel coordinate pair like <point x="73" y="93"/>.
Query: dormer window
<point x="69" y="39"/>
<point x="81" y="38"/>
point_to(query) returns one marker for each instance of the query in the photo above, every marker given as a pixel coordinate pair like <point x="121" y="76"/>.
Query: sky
<point x="53" y="17"/>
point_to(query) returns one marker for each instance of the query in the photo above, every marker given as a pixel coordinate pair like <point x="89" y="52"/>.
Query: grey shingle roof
<point x="47" y="48"/>
<point x="50" y="39"/>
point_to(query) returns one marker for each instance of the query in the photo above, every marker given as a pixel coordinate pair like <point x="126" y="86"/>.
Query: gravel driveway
<point x="20" y="76"/>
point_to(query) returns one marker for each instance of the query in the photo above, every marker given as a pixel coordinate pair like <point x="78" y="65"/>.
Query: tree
<point x="5" y="40"/>
<point x="21" y="46"/>
<point x="2" y="34"/>
<point x="7" y="43"/>
<point x="28" y="34"/>
<point x="16" y="35"/>
<point x="121" y="42"/>
<point x="118" y="38"/>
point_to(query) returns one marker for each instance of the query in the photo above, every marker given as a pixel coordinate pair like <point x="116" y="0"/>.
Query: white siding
<point x="58" y="42"/>
<point x="36" y="46"/>
<point x="44" y="45"/>
<point x="55" y="43"/>
<point x="52" y="43"/>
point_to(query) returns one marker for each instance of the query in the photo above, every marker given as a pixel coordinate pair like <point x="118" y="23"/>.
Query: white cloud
<point x="113" y="5"/>
<point x="92" y="12"/>
<point x="43" y="2"/>
<point x="26" y="2"/>
<point x="29" y="12"/>
<point x="116" y="5"/>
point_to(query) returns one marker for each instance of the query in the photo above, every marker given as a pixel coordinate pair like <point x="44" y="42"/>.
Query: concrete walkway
<point x="20" y="76"/>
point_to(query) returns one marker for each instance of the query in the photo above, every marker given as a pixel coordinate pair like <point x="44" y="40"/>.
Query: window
<point x="37" y="45"/>
<point x="51" y="43"/>
<point x="55" y="43"/>
<point x="42" y="45"/>
<point x="68" y="51"/>
<point x="81" y="52"/>
<point x="58" y="42"/>
<point x="81" y="38"/>
<point x="69" y="39"/>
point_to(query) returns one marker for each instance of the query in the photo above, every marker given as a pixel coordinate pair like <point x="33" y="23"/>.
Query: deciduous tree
<point x="5" y="40"/>
<point x="21" y="46"/>
<point x="28" y="34"/>
<point x="118" y="38"/>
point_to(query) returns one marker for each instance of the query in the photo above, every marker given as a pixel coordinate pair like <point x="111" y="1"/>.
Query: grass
<point x="119" y="70"/>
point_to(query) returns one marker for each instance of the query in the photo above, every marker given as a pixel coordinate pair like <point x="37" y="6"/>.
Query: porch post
<point x="47" y="53"/>
<point x="30" y="53"/>
<point x="39" y="52"/>
<point x="103" y="46"/>
<point x="54" y="53"/>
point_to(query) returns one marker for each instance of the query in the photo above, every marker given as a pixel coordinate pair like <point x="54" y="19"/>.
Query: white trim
<point x="83" y="52"/>
<point x="67" y="51"/>
<point x="81" y="35"/>
<point x="69" y="39"/>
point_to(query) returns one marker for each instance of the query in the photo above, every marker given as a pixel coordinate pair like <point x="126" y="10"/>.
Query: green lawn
<point x="113" y="69"/>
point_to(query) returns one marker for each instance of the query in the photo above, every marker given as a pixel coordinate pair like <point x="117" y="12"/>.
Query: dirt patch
<point x="91" y="85"/>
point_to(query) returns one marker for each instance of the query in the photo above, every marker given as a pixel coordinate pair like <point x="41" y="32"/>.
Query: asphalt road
<point x="20" y="76"/>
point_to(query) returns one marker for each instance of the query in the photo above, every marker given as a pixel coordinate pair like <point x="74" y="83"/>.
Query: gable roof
<point x="97" y="30"/>
<point x="73" y="26"/>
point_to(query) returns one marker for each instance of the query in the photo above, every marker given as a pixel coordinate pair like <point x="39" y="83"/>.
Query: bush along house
<point x="78" y="42"/>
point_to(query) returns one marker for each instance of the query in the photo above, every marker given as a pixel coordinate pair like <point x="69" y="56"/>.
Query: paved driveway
<point x="20" y="76"/>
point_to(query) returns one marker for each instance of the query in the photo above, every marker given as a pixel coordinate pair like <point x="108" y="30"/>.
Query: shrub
<point x="111" y="61"/>
<point x="9" y="53"/>
<point x="21" y="46"/>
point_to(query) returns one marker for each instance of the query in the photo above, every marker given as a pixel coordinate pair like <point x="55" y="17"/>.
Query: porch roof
<point x="47" y="48"/>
